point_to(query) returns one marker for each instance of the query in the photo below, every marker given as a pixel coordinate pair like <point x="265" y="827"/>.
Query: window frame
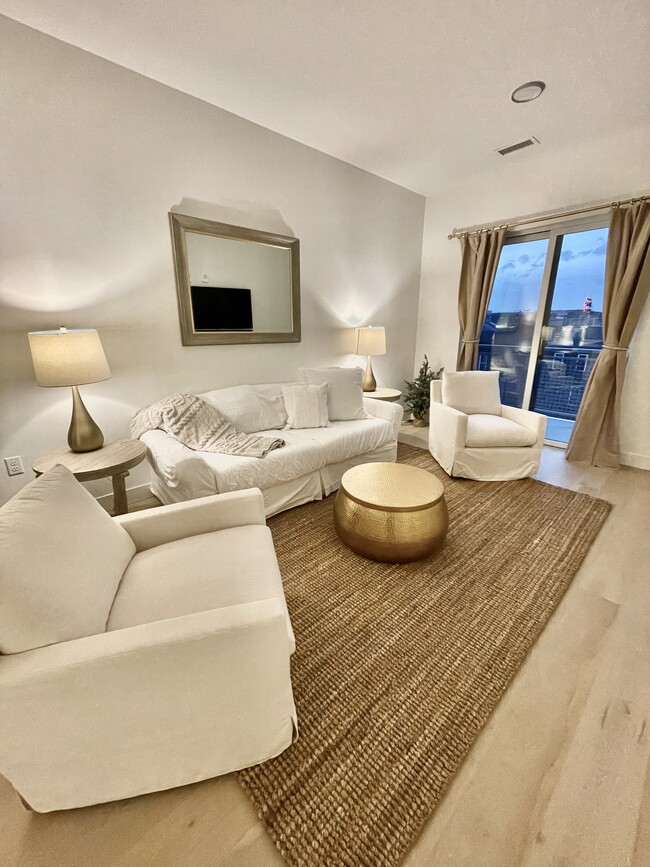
<point x="553" y="232"/>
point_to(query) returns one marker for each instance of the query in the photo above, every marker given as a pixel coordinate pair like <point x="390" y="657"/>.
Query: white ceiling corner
<point x="414" y="91"/>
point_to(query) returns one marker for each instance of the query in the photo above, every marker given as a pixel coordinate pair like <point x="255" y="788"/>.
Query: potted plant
<point x="418" y="392"/>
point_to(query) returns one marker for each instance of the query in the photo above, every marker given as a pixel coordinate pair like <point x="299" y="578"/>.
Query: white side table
<point x="384" y="394"/>
<point x="114" y="460"/>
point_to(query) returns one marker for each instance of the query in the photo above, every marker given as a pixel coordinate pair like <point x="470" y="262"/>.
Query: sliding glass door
<point x="543" y="329"/>
<point x="507" y="339"/>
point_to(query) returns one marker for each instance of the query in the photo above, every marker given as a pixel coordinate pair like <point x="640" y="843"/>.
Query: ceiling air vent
<point x="510" y="149"/>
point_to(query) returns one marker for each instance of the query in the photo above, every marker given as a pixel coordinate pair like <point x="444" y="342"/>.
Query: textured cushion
<point x="61" y="560"/>
<point x="199" y="573"/>
<point x="493" y="431"/>
<point x="305" y="452"/>
<point x="344" y="392"/>
<point x="306" y="405"/>
<point x="472" y="391"/>
<point x="251" y="408"/>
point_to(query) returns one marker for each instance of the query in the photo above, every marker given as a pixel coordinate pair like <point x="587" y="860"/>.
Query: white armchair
<point x="479" y="437"/>
<point x="188" y="679"/>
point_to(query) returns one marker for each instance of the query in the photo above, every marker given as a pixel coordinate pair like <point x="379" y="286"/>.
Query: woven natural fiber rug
<point x="398" y="667"/>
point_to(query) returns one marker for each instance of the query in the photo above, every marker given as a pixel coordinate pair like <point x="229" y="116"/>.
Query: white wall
<point x="523" y="184"/>
<point x="93" y="158"/>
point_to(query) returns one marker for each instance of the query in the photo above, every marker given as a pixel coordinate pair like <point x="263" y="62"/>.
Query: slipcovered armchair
<point x="138" y="653"/>
<point x="474" y="436"/>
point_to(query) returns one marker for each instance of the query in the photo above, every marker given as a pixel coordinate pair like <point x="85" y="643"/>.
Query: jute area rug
<point x="398" y="667"/>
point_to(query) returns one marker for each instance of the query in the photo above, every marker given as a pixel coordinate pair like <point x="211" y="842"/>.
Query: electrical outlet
<point x="14" y="466"/>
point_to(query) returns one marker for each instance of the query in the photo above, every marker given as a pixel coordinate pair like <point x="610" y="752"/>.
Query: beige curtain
<point x="595" y="436"/>
<point x="480" y="258"/>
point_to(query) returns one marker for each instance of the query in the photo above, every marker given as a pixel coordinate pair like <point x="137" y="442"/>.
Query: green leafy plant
<point x="418" y="392"/>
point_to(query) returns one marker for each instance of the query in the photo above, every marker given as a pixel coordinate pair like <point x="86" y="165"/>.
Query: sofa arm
<point x="152" y="706"/>
<point x="391" y="412"/>
<point x="534" y="421"/>
<point x="152" y="527"/>
<point x="176" y="465"/>
<point x="447" y="433"/>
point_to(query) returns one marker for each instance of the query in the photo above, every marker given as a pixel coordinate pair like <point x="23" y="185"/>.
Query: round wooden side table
<point x="384" y="394"/>
<point x="114" y="460"/>
<point x="389" y="512"/>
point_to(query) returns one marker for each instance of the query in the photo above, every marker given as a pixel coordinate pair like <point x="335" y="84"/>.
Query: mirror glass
<point x="235" y="285"/>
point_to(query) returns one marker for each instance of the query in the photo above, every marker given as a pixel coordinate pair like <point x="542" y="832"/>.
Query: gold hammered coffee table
<point x="389" y="512"/>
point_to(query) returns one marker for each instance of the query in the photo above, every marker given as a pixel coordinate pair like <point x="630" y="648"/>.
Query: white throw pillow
<point x="306" y="405"/>
<point x="62" y="558"/>
<point x="472" y="391"/>
<point x="344" y="393"/>
<point x="273" y="413"/>
<point x="251" y="408"/>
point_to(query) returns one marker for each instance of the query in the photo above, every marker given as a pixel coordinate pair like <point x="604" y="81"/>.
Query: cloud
<point x="523" y="259"/>
<point x="507" y="265"/>
<point x="600" y="250"/>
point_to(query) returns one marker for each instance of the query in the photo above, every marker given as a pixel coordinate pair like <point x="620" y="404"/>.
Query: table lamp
<point x="370" y="341"/>
<point x="73" y="358"/>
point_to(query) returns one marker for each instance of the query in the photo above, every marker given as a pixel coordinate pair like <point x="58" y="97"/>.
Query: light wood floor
<point x="559" y="778"/>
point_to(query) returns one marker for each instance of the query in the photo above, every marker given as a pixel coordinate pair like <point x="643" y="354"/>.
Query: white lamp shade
<point x="371" y="341"/>
<point x="64" y="357"/>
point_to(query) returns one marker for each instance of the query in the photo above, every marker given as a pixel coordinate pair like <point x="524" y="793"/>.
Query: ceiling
<point x="416" y="91"/>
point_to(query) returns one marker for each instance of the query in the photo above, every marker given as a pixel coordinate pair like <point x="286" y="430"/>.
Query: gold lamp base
<point x="84" y="434"/>
<point x="369" y="381"/>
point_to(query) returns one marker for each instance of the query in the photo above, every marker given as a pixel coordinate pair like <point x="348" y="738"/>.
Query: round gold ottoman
<point x="393" y="513"/>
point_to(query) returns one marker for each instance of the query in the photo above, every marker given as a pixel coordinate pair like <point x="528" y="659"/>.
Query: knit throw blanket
<point x="200" y="426"/>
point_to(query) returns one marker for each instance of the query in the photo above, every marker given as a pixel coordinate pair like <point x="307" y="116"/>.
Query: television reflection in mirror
<point x="219" y="308"/>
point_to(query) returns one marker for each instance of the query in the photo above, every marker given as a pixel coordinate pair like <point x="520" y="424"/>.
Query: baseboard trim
<point x="134" y="495"/>
<point x="631" y="459"/>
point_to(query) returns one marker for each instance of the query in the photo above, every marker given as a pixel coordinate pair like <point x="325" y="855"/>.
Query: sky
<point x="580" y="274"/>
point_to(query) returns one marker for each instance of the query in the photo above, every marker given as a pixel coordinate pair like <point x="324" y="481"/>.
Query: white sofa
<point x="489" y="441"/>
<point x="138" y="653"/>
<point x="308" y="467"/>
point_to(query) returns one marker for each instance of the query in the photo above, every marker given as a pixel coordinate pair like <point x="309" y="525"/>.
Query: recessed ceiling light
<point x="528" y="92"/>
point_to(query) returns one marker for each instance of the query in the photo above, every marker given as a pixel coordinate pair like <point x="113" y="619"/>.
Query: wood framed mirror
<point x="235" y="285"/>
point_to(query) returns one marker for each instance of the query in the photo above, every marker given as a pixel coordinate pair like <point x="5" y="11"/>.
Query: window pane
<point x="573" y="332"/>
<point x="507" y="335"/>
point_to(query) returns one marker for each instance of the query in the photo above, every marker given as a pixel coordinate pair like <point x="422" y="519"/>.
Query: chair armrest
<point x="447" y="433"/>
<point x="138" y="696"/>
<point x="391" y="412"/>
<point x="534" y="421"/>
<point x="113" y="648"/>
<point x="152" y="527"/>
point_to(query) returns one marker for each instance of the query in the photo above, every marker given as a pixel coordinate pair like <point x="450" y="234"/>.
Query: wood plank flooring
<point x="560" y="777"/>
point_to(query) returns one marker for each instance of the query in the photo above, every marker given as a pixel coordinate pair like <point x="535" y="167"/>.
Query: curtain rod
<point x="461" y="233"/>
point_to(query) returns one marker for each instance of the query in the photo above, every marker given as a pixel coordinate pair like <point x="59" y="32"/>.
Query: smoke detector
<point x="528" y="92"/>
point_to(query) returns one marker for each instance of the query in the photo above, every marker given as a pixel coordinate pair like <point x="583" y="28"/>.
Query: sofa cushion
<point x="472" y="391"/>
<point x="344" y="390"/>
<point x="199" y="573"/>
<point x="61" y="560"/>
<point x="251" y="408"/>
<point x="493" y="431"/>
<point x="305" y="451"/>
<point x="306" y="405"/>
